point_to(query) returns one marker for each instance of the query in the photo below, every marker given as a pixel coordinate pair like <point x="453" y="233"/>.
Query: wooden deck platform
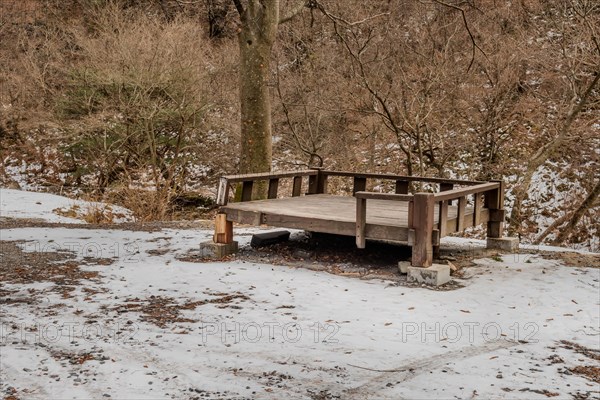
<point x="419" y="219"/>
<point x="385" y="220"/>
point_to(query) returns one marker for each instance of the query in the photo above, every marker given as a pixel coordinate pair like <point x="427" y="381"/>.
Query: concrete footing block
<point x="403" y="266"/>
<point x="510" y="244"/>
<point x="217" y="250"/>
<point x="436" y="275"/>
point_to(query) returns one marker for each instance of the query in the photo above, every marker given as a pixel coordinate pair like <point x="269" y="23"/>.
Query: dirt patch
<point x="573" y="259"/>
<point x="594" y="354"/>
<point x="13" y="223"/>
<point x="20" y="267"/>
<point x="590" y="372"/>
<point x="164" y="311"/>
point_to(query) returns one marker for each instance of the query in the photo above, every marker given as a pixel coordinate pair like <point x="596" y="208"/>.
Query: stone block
<point x="436" y="275"/>
<point x="403" y="266"/>
<point x="217" y="250"/>
<point x="510" y="244"/>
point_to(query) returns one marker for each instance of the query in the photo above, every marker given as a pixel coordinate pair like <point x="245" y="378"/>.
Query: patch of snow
<point x="49" y="207"/>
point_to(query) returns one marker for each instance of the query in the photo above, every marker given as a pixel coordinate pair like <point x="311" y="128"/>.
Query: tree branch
<point x="297" y="9"/>
<point x="474" y="44"/>
<point x="239" y="7"/>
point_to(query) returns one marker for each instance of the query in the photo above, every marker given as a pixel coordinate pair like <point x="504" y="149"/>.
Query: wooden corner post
<point x="422" y="223"/>
<point x="223" y="229"/>
<point x="494" y="201"/>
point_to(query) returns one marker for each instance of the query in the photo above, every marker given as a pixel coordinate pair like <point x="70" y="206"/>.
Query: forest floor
<point x="131" y="311"/>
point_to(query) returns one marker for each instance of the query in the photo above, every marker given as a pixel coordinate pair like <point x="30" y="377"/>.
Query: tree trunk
<point x="256" y="40"/>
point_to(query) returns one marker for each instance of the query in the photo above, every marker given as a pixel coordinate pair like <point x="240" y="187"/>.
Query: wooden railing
<point x="317" y="182"/>
<point x="423" y="234"/>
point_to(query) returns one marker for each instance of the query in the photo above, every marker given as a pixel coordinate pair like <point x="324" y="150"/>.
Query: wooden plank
<point x="359" y="185"/>
<point x="223" y="192"/>
<point x="477" y="204"/>
<point x="422" y="250"/>
<point x="384" y="196"/>
<point x="247" y="190"/>
<point x="223" y="229"/>
<point x="402" y="187"/>
<point x="347" y="228"/>
<point x="269" y="175"/>
<point x="460" y="217"/>
<point x="297" y="186"/>
<point x="457" y="193"/>
<point x="443" y="218"/>
<point x="444" y="187"/>
<point x="244" y="217"/>
<point x="273" y="186"/>
<point x="401" y="177"/>
<point x="361" y="222"/>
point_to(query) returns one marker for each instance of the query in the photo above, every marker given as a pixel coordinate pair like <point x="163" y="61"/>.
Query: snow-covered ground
<point x="152" y="325"/>
<point x="54" y="208"/>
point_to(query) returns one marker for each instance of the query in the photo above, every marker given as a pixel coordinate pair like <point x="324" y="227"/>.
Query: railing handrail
<point x="375" y="175"/>
<point x="462" y="192"/>
<point x="269" y="175"/>
<point x="383" y="196"/>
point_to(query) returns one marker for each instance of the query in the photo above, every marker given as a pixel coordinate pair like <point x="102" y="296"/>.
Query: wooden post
<point x="321" y="182"/>
<point x="359" y="185"/>
<point x="477" y="209"/>
<point x="444" y="187"/>
<point x="297" y="186"/>
<point x="494" y="201"/>
<point x="422" y="220"/>
<point x="312" y="184"/>
<point x="401" y="187"/>
<point x="460" y="214"/>
<point x="223" y="192"/>
<point x="247" y="190"/>
<point x="361" y="222"/>
<point x="273" y="186"/>
<point x="443" y="218"/>
<point x="317" y="184"/>
<point x="223" y="229"/>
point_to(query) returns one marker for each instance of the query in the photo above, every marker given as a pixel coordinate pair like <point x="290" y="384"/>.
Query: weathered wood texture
<point x="419" y="220"/>
<point x="223" y="229"/>
<point x="337" y="215"/>
<point x="422" y="223"/>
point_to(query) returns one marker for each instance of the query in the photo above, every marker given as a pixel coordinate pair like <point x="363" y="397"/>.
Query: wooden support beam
<point x="443" y="218"/>
<point x="435" y="237"/>
<point x="273" y="186"/>
<point x="494" y="200"/>
<point x="312" y="184"/>
<point x="247" y="190"/>
<point x="359" y="185"/>
<point x="361" y="222"/>
<point x="477" y="204"/>
<point x="321" y="183"/>
<point x="223" y="229"/>
<point x="401" y="187"/>
<point x="297" y="186"/>
<point x="445" y="187"/>
<point x="422" y="220"/>
<point x="460" y="217"/>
